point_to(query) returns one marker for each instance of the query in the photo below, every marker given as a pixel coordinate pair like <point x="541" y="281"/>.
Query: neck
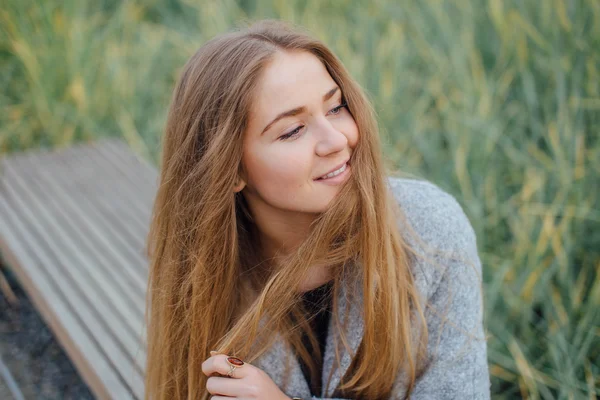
<point x="281" y="233"/>
<point x="317" y="276"/>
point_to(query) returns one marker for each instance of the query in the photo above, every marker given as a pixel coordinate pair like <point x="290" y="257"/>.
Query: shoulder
<point x="435" y="226"/>
<point x="436" y="215"/>
<point x="448" y="276"/>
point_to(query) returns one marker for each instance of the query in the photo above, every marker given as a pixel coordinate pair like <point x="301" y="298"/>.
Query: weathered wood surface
<point x="73" y="225"/>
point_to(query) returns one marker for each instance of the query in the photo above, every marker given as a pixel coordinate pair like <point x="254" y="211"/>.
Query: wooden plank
<point x="82" y="235"/>
<point x="8" y="381"/>
<point x="93" y="190"/>
<point x="127" y="258"/>
<point x="84" y="209"/>
<point x="83" y="283"/>
<point x="50" y="301"/>
<point x="138" y="205"/>
<point x="127" y="205"/>
<point x="139" y="201"/>
<point x="112" y="188"/>
<point x="131" y="169"/>
<point x="96" y="173"/>
<point x="122" y="153"/>
<point x="72" y="174"/>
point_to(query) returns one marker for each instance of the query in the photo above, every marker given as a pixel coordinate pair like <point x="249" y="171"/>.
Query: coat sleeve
<point x="457" y="351"/>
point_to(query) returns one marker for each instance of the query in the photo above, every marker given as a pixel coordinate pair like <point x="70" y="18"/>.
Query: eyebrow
<point x="298" y="110"/>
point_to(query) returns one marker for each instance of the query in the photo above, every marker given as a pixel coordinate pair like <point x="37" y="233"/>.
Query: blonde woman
<point x="284" y="262"/>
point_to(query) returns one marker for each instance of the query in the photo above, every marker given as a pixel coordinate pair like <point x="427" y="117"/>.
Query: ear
<point x="239" y="185"/>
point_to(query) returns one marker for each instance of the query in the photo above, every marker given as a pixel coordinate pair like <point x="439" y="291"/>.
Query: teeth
<point x="334" y="173"/>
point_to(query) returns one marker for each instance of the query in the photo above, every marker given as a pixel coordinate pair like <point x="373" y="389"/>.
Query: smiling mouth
<point x="334" y="173"/>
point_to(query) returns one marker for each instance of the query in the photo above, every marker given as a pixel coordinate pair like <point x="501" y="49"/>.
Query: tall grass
<point x="497" y="101"/>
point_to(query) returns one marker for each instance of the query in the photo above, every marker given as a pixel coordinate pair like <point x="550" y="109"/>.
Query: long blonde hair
<point x="208" y="287"/>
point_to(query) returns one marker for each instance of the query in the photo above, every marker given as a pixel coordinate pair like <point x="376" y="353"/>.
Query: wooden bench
<point x="73" y="225"/>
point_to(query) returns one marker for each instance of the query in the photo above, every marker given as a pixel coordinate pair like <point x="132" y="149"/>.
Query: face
<point x="299" y="131"/>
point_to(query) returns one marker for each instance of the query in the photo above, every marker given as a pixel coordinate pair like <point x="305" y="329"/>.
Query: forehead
<point x="291" y="79"/>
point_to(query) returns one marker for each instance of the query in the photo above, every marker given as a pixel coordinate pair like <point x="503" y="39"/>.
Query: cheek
<point x="285" y="166"/>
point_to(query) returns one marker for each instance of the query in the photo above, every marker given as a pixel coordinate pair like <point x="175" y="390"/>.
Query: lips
<point x="332" y="170"/>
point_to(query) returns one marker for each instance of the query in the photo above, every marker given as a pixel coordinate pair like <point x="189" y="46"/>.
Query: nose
<point x="330" y="140"/>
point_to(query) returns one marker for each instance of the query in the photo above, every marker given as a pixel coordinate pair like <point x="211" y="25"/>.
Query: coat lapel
<point x="284" y="369"/>
<point x="282" y="366"/>
<point x="352" y="324"/>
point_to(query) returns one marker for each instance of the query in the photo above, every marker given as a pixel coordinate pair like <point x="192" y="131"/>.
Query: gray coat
<point x="458" y="368"/>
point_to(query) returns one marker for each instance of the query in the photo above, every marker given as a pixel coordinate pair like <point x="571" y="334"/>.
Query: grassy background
<point x="496" y="101"/>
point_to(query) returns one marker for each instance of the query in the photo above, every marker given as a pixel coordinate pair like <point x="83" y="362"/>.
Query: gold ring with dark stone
<point x="234" y="363"/>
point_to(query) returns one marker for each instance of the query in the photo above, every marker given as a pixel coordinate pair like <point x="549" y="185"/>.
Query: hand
<point x="247" y="383"/>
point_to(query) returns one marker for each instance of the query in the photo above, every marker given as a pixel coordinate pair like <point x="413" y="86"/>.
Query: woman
<point x="284" y="264"/>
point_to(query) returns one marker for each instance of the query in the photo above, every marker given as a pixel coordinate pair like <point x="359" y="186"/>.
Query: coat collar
<point x="282" y="366"/>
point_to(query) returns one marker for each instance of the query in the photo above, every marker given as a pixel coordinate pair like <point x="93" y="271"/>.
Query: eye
<point x="336" y="110"/>
<point x="290" y="134"/>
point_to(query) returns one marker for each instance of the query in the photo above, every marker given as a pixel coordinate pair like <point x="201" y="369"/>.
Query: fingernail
<point x="212" y="353"/>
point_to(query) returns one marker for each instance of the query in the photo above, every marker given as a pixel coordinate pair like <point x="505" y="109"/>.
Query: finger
<point x="224" y="386"/>
<point x="209" y="367"/>
<point x="221" y="398"/>
<point x="218" y="364"/>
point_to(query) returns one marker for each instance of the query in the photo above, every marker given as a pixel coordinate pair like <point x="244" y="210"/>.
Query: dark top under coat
<point x="317" y="301"/>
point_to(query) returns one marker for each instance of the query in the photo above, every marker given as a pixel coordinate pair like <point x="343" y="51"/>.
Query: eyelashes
<point x="334" y="111"/>
<point x="338" y="108"/>
<point x="292" y="133"/>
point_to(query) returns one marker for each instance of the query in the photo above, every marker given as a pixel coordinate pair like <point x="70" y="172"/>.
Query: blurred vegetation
<point x="496" y="101"/>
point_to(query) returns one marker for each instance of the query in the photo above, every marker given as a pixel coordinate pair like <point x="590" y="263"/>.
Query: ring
<point x="234" y="363"/>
